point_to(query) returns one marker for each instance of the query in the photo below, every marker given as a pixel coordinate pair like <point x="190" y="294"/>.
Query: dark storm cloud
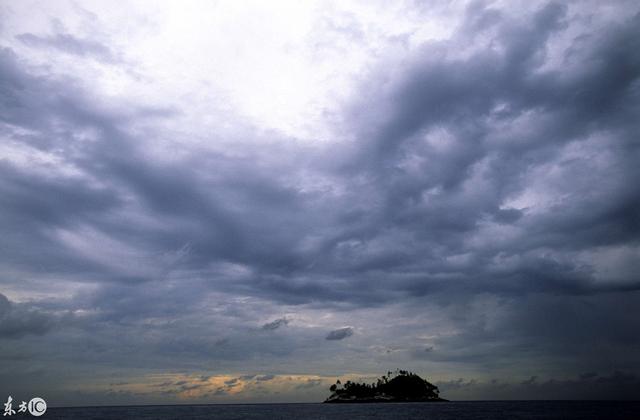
<point x="446" y="189"/>
<point x="558" y="329"/>
<point x="410" y="212"/>
<point x="274" y="325"/>
<point x="340" y="334"/>
<point x="590" y="385"/>
<point x="168" y="192"/>
<point x="18" y="320"/>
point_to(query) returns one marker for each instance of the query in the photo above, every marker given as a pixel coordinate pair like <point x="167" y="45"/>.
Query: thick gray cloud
<point x="481" y="214"/>
<point x="589" y="385"/>
<point x="18" y="320"/>
<point x="340" y="333"/>
<point x="274" y="325"/>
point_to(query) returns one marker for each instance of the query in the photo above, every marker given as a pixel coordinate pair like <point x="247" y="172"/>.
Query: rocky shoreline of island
<point x="379" y="399"/>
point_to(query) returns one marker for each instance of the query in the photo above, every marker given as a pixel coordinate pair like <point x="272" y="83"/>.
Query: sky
<point x="213" y="202"/>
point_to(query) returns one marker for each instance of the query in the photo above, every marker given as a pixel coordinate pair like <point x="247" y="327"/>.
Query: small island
<point x="398" y="386"/>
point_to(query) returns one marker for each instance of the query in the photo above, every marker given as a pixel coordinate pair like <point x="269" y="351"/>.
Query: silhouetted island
<point x="399" y="386"/>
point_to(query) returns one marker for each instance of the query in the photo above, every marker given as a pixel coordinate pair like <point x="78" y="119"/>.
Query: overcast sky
<point x="243" y="201"/>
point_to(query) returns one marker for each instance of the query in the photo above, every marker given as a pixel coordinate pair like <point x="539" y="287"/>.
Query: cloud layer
<point x="463" y="198"/>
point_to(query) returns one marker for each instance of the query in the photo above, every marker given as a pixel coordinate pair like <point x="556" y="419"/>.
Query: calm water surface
<point x="485" y="410"/>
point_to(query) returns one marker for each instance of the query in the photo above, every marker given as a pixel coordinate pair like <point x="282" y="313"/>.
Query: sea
<point x="458" y="410"/>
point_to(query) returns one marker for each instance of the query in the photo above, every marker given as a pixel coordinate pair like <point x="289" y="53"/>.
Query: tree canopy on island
<point x="397" y="386"/>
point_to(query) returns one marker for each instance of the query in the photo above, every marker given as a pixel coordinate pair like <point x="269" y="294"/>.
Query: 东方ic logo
<point x="36" y="407"/>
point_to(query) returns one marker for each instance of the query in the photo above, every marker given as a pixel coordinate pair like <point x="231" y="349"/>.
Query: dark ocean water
<point x="485" y="410"/>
